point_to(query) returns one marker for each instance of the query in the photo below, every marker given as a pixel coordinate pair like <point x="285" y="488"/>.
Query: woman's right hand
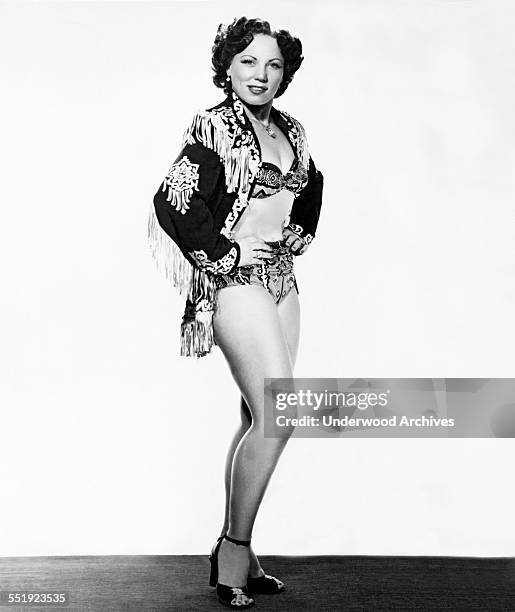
<point x="253" y="250"/>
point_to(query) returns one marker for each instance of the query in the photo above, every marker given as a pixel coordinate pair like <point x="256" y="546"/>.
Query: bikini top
<point x="271" y="180"/>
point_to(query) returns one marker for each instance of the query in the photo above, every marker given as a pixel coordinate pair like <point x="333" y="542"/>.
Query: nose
<point x="261" y="74"/>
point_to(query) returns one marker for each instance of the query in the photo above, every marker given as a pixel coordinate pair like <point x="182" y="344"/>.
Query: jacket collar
<point x="235" y="102"/>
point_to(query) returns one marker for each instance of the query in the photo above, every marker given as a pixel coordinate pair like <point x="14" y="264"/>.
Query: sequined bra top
<point x="271" y="180"/>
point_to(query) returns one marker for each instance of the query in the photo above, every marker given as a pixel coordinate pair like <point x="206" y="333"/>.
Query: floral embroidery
<point x="276" y="275"/>
<point x="220" y="266"/>
<point x="239" y="205"/>
<point x="238" y="107"/>
<point x="181" y="180"/>
<point x="296" y="229"/>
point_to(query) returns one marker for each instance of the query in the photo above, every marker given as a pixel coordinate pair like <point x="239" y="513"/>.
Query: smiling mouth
<point x="256" y="89"/>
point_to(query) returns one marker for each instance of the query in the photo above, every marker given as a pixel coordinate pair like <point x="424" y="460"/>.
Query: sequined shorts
<point x="275" y="274"/>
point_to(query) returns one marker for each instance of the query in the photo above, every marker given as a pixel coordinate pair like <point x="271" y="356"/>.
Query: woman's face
<point x="256" y="73"/>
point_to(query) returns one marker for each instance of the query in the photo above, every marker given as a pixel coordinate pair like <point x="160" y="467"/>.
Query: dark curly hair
<point x="232" y="39"/>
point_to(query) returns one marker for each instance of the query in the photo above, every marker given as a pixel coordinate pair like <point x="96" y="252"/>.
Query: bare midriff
<point x="265" y="217"/>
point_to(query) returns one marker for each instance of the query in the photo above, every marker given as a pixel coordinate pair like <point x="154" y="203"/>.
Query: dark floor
<point x="151" y="583"/>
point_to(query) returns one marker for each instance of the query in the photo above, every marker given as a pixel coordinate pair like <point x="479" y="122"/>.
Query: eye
<point x="247" y="61"/>
<point x="276" y="65"/>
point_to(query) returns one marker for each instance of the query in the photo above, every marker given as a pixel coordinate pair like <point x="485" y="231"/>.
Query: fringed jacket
<point x="202" y="198"/>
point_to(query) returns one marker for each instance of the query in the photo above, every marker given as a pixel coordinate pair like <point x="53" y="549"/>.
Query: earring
<point x="228" y="79"/>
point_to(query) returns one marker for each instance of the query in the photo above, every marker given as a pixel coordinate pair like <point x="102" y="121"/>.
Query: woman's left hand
<point x="296" y="244"/>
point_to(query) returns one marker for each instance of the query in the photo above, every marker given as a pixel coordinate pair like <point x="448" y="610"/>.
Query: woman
<point x="242" y="198"/>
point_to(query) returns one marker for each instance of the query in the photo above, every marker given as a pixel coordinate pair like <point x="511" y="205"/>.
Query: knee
<point x="244" y="426"/>
<point x="245" y="414"/>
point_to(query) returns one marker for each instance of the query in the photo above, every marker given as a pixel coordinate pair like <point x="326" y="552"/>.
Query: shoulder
<point x="219" y="108"/>
<point x="206" y="123"/>
<point x="223" y="110"/>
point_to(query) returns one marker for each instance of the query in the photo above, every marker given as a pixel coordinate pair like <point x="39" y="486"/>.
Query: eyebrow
<point x="270" y="60"/>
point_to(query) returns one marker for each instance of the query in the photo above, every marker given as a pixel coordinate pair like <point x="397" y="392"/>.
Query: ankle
<point x="233" y="564"/>
<point x="238" y="541"/>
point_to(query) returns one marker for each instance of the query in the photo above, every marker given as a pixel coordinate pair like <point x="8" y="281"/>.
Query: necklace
<point x="267" y="128"/>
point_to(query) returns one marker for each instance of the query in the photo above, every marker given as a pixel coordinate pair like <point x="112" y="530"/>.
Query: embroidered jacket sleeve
<point x="182" y="211"/>
<point x="305" y="211"/>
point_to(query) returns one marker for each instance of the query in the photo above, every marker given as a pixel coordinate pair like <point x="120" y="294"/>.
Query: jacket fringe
<point x="168" y="257"/>
<point x="188" y="279"/>
<point x="209" y="129"/>
<point x="196" y="335"/>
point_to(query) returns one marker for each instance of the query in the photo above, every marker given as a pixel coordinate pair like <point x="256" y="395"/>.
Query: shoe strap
<point x="235" y="541"/>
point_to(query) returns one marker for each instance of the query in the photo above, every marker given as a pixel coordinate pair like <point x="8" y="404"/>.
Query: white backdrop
<point x="112" y="443"/>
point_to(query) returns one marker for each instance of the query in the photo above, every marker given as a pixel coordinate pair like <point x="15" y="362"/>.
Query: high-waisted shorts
<point x="275" y="274"/>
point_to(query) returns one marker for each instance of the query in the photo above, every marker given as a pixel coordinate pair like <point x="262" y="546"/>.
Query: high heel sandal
<point x="234" y="597"/>
<point x="265" y="584"/>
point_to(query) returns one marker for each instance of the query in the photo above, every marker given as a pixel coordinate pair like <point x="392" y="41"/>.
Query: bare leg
<point x="259" y="339"/>
<point x="289" y="314"/>
<point x="255" y="569"/>
<point x="246" y="421"/>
